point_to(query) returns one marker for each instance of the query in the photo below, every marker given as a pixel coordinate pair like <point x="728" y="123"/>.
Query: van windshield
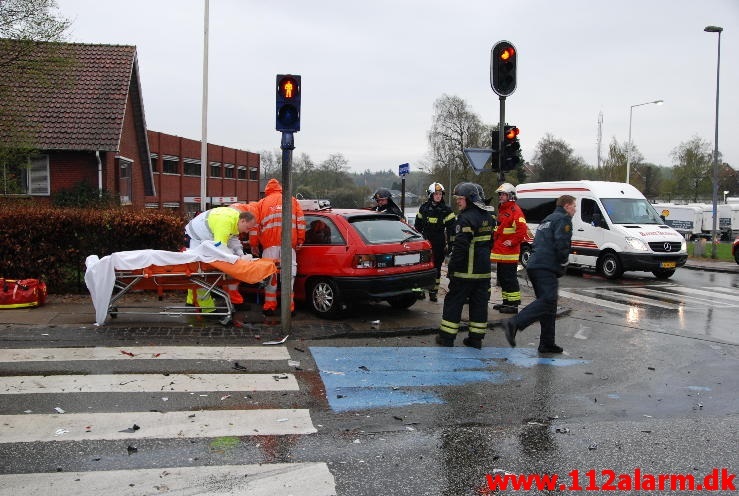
<point x="630" y="211"/>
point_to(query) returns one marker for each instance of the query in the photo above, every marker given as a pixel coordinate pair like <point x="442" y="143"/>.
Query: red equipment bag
<point x="22" y="293"/>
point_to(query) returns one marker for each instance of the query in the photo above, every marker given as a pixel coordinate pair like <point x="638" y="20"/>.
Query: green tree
<point x="693" y="168"/>
<point x="554" y="161"/>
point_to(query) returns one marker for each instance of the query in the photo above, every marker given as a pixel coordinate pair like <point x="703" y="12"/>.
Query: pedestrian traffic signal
<point x="503" y="58"/>
<point x="511" y="149"/>
<point x="288" y="103"/>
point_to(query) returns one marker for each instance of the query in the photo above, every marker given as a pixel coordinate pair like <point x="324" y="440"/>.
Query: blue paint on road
<point x="358" y="378"/>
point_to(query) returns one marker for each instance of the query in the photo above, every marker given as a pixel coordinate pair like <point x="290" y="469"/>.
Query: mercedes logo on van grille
<point x="668" y="247"/>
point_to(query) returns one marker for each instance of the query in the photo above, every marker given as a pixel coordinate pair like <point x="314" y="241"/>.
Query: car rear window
<point x="383" y="230"/>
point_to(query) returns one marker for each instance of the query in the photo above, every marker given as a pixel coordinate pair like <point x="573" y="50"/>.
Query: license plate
<point x="668" y="265"/>
<point x="411" y="259"/>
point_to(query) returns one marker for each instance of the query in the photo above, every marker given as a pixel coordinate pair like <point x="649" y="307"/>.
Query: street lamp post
<point x="714" y="235"/>
<point x="628" y="151"/>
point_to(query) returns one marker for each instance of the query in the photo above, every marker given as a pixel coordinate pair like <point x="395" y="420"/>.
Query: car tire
<point x="403" y="302"/>
<point x="610" y="265"/>
<point x="663" y="273"/>
<point x="736" y="254"/>
<point x="324" y="298"/>
<point x="524" y="255"/>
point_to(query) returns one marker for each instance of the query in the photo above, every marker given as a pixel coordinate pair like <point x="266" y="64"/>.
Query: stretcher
<point x="182" y="277"/>
<point x="111" y="278"/>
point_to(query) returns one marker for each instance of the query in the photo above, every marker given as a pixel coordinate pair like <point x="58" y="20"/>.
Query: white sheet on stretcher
<point x="100" y="272"/>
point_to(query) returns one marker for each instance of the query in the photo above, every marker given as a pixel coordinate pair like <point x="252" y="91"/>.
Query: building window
<point x="229" y="171"/>
<point x="170" y="164"/>
<point x="253" y="174"/>
<point x="241" y="173"/>
<point x="192" y="167"/>
<point x="124" y="176"/>
<point x="215" y="169"/>
<point x="27" y="176"/>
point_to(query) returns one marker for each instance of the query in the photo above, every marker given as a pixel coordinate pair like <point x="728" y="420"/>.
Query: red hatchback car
<point x="351" y="255"/>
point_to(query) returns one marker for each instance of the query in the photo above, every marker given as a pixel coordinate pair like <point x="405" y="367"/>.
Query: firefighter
<point x="385" y="203"/>
<point x="435" y="220"/>
<point x="268" y="234"/>
<point x="509" y="233"/>
<point x="469" y="268"/>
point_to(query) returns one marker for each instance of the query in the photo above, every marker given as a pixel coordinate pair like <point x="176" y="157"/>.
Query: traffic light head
<point x="511" y="148"/>
<point x="503" y="60"/>
<point x="288" y="103"/>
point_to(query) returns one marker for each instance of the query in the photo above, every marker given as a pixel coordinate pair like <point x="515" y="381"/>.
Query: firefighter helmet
<point x="472" y="192"/>
<point x="434" y="187"/>
<point x="508" y="189"/>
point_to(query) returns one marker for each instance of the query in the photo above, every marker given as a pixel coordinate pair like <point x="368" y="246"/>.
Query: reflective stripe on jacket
<point x="268" y="230"/>
<point x="511" y="226"/>
<point x="470" y="258"/>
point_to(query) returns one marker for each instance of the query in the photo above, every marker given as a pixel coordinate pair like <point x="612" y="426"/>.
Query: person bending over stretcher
<point x="220" y="225"/>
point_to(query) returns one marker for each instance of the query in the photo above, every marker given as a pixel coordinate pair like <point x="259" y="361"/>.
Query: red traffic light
<point x="511" y="133"/>
<point x="288" y="88"/>
<point x="507" y="53"/>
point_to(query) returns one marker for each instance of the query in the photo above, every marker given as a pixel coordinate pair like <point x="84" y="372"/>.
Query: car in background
<point x="352" y="255"/>
<point x="735" y="250"/>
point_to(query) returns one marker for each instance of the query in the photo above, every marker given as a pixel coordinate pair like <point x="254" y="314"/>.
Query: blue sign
<point x="358" y="378"/>
<point x="404" y="169"/>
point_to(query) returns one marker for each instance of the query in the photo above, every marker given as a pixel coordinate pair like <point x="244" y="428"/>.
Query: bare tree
<point x="454" y="127"/>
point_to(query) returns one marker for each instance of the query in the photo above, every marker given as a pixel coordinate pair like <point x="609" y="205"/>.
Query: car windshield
<point x="631" y="211"/>
<point x="378" y="230"/>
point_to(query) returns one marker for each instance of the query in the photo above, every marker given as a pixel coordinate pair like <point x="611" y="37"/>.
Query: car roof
<point x="350" y="213"/>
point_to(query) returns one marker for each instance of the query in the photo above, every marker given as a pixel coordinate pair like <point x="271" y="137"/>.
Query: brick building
<point x="84" y="120"/>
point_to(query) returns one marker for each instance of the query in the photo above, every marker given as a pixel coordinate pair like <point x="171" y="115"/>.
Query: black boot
<point x="511" y="309"/>
<point x="511" y="328"/>
<point x="432" y="297"/>
<point x="473" y="341"/>
<point x="445" y="339"/>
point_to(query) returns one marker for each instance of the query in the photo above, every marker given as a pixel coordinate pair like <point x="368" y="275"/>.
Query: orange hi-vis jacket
<point x="268" y="230"/>
<point x="511" y="226"/>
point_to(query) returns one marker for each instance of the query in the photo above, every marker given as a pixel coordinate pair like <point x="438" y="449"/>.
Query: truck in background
<point x="685" y="219"/>
<point x="615" y="229"/>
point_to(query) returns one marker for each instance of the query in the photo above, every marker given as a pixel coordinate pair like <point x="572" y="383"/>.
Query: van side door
<point x="589" y="231"/>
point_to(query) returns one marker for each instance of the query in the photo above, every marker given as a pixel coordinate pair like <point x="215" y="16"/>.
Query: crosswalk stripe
<point x="632" y="298"/>
<point x="154" y="425"/>
<point x="680" y="298"/>
<point x="145" y="353"/>
<point x="594" y="301"/>
<point x="304" y="479"/>
<point x="139" y="383"/>
<point x="711" y="294"/>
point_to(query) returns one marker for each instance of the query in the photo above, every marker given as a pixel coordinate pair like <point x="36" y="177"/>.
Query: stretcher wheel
<point x="113" y="313"/>
<point x="225" y="320"/>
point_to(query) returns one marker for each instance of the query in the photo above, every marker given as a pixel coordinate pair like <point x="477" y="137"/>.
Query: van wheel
<point x="663" y="273"/>
<point x="610" y="265"/>
<point x="324" y="298"/>
<point x="524" y="255"/>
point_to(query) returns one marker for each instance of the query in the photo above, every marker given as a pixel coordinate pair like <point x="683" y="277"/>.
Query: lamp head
<point x="713" y="29"/>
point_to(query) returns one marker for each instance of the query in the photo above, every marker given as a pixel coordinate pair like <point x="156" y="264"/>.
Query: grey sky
<point x="372" y="70"/>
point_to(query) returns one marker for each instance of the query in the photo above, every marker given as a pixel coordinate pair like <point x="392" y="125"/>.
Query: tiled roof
<point x="79" y="105"/>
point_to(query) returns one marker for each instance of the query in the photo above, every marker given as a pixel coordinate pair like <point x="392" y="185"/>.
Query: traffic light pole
<point x="286" y="258"/>
<point x="501" y="151"/>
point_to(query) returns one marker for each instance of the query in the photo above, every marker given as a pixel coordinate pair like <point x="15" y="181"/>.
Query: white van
<point x="615" y="229"/>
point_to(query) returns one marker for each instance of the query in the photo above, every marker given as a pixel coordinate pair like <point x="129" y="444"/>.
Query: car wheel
<point x="324" y="298"/>
<point x="736" y="254"/>
<point x="403" y="302"/>
<point x="663" y="273"/>
<point x="610" y="265"/>
<point x="524" y="255"/>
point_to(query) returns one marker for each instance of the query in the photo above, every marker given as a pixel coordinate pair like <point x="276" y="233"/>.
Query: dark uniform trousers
<point x="478" y="292"/>
<point x="544" y="307"/>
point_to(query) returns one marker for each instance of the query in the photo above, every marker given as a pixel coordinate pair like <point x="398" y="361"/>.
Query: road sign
<point x="404" y="169"/>
<point x="478" y="157"/>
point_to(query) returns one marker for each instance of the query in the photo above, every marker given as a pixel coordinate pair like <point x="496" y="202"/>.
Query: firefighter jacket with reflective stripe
<point x="511" y="227"/>
<point x="433" y="219"/>
<point x="470" y="258"/>
<point x="268" y="230"/>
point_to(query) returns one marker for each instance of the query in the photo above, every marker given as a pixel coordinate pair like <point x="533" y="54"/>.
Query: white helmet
<point x="509" y="189"/>
<point x="434" y="187"/>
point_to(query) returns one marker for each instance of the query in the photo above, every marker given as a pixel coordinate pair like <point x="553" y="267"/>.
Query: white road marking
<point x="140" y="383"/>
<point x="153" y="425"/>
<point x="145" y="353"/>
<point x="595" y="301"/>
<point x="305" y="479"/>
